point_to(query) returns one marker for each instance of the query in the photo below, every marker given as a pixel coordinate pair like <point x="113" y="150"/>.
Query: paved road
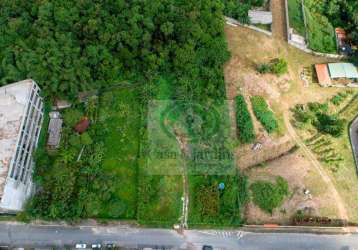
<point x="20" y="235"/>
<point x="353" y="133"/>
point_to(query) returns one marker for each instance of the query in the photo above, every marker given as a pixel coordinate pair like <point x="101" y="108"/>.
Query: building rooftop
<point x="13" y="100"/>
<point x="54" y="130"/>
<point x="323" y="74"/>
<point x="343" y="70"/>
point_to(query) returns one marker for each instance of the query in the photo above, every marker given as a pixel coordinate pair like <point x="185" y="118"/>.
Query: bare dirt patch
<point x="271" y="149"/>
<point x="299" y="175"/>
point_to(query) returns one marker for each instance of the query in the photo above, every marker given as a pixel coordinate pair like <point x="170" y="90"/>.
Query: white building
<point x="21" y="116"/>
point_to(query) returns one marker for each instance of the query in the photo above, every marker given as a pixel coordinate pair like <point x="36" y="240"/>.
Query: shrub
<point x="279" y="66"/>
<point x="267" y="195"/>
<point x="264" y="114"/>
<point x="330" y="124"/>
<point x="301" y="114"/>
<point x="244" y="123"/>
<point x="264" y="68"/>
<point x="276" y="66"/>
<point x="86" y="139"/>
<point x="71" y="117"/>
<point x="74" y="140"/>
<point x="317" y="107"/>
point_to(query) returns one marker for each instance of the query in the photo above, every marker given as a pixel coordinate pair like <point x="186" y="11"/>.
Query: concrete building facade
<point x="21" y="116"/>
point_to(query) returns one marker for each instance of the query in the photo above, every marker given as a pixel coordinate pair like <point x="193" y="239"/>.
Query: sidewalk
<point x="273" y="228"/>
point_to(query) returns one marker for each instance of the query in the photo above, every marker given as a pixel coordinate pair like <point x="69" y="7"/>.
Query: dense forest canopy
<point x="68" y="46"/>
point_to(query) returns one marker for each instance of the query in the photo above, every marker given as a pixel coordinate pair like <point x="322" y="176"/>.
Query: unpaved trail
<point x="183" y="144"/>
<point x="279" y="26"/>
<point x="325" y="177"/>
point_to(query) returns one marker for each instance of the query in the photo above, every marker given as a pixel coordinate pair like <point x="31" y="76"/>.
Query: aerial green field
<point x="120" y="115"/>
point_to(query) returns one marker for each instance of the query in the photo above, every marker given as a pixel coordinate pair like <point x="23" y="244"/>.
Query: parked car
<point x="81" y="246"/>
<point x="110" y="245"/>
<point x="206" y="247"/>
<point x="96" y="246"/>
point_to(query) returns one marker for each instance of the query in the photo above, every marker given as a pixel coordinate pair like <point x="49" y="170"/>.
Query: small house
<point x="82" y="125"/>
<point x="344" y="45"/>
<point x="337" y="74"/>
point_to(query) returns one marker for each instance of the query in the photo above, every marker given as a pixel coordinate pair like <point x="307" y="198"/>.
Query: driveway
<point x="279" y="26"/>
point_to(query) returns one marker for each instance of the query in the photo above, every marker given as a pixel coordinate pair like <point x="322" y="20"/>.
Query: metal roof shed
<point x="342" y="70"/>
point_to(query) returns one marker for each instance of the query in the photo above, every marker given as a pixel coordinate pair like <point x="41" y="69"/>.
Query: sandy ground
<point x="299" y="174"/>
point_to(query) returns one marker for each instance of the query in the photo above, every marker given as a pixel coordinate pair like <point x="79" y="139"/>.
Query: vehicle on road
<point x="96" y="246"/>
<point x="80" y="246"/>
<point x="110" y="245"/>
<point x="206" y="247"/>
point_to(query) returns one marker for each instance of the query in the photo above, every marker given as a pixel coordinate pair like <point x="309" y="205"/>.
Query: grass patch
<point x="208" y="204"/>
<point x="268" y="195"/>
<point x="296" y="16"/>
<point x="263" y="26"/>
<point x="211" y="206"/>
<point x="245" y="127"/>
<point x="160" y="181"/>
<point x="321" y="35"/>
<point x="264" y="114"/>
<point x="120" y="117"/>
<point x="92" y="175"/>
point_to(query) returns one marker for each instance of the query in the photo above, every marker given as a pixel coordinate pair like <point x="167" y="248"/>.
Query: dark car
<point x="110" y="245"/>
<point x="207" y="247"/>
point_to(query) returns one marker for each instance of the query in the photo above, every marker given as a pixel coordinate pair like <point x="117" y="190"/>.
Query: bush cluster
<point x="244" y="123"/>
<point x="318" y="115"/>
<point x="239" y="9"/>
<point x="264" y="114"/>
<point x="268" y="195"/>
<point x="276" y="66"/>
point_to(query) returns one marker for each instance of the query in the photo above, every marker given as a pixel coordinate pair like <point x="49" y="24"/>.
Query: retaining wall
<point x="234" y="22"/>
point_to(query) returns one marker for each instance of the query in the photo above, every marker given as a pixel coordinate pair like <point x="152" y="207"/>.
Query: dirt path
<point x="279" y="28"/>
<point x="325" y="177"/>
<point x="183" y="144"/>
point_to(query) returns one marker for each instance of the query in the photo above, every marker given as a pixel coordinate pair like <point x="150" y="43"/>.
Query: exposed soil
<point x="279" y="26"/>
<point x="299" y="175"/>
<point x="271" y="149"/>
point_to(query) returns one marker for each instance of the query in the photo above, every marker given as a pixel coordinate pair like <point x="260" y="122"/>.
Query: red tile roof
<point x="323" y="74"/>
<point x="82" y="125"/>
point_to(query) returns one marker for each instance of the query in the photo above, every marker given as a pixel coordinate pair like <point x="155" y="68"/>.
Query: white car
<point x="96" y="246"/>
<point x="81" y="246"/>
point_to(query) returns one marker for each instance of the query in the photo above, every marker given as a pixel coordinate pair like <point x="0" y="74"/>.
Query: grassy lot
<point x="211" y="206"/>
<point x="93" y="174"/>
<point x="296" y="16"/>
<point x="120" y="115"/>
<point x="212" y="164"/>
<point x="160" y="180"/>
